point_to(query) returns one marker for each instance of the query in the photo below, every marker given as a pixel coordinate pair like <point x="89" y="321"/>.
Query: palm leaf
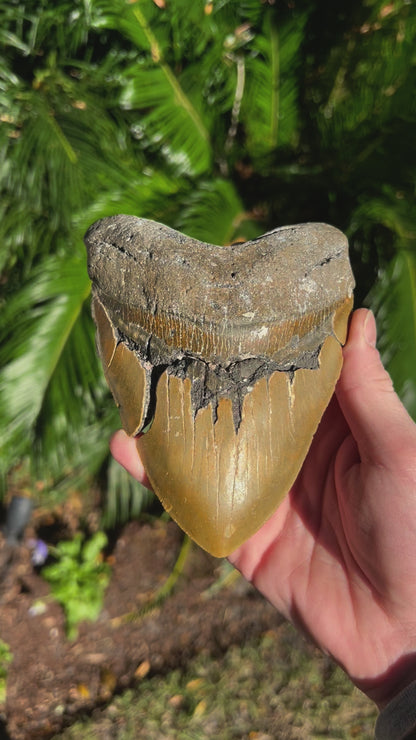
<point x="170" y="118"/>
<point x="149" y="194"/>
<point x="61" y="142"/>
<point x="116" y="106"/>
<point x="368" y="75"/>
<point x="394" y="302"/>
<point x="36" y="325"/>
<point x="55" y="406"/>
<point x="393" y="297"/>
<point x="213" y="213"/>
<point x="27" y="26"/>
<point x="270" y="104"/>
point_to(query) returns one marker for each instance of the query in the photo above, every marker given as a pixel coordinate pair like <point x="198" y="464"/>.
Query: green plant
<point x="273" y="113"/>
<point x="6" y="658"/>
<point x="79" y="578"/>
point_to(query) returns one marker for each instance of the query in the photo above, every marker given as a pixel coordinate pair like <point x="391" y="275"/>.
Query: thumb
<point x="380" y="424"/>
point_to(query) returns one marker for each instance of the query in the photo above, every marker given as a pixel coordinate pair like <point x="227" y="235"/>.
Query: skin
<point x="338" y="557"/>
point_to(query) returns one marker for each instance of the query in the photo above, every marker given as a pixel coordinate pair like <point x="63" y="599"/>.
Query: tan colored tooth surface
<point x="234" y="352"/>
<point x="125" y="375"/>
<point x="221" y="486"/>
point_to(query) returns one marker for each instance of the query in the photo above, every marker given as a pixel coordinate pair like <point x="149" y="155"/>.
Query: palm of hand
<point x="338" y="556"/>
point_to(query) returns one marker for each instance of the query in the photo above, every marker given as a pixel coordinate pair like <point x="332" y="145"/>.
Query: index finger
<point x="124" y="450"/>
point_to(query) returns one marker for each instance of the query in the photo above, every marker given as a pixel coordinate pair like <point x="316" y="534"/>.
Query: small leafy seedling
<point x="6" y="658"/>
<point x="78" y="579"/>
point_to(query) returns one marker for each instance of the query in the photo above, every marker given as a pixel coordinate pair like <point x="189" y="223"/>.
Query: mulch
<point x="52" y="681"/>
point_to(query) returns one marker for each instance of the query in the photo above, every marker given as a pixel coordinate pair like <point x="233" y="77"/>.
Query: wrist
<point x="390" y="684"/>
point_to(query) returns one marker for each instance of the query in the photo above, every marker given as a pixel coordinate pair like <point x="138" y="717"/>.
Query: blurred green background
<point x="220" y="118"/>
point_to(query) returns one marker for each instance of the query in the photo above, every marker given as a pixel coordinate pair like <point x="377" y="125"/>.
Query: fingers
<point x="123" y="449"/>
<point x="379" y="422"/>
<point x="247" y="557"/>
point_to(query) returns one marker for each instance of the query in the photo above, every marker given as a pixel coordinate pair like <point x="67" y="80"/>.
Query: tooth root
<point x="156" y="281"/>
<point x="127" y="377"/>
<point x="219" y="486"/>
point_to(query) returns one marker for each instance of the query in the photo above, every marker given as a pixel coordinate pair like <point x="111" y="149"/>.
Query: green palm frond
<point x="170" y="117"/>
<point x="173" y="118"/>
<point x="368" y="74"/>
<point x="270" y="104"/>
<point x="43" y="327"/>
<point x="62" y="140"/>
<point x="394" y="302"/>
<point x="214" y="213"/>
<point x="150" y="194"/>
<point x="393" y="298"/>
<point x="27" y="26"/>
<point x="205" y="116"/>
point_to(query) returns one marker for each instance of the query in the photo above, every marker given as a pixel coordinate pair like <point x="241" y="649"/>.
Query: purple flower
<point x="39" y="551"/>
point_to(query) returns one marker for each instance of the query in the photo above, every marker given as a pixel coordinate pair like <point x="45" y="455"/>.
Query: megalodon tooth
<point x="225" y="356"/>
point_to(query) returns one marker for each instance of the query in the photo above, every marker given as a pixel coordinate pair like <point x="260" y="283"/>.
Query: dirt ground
<point x="52" y="681"/>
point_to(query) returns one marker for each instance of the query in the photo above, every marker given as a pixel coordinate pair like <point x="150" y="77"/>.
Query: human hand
<point x="338" y="557"/>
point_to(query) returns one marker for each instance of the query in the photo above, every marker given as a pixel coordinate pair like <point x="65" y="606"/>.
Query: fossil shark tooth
<point x="229" y="354"/>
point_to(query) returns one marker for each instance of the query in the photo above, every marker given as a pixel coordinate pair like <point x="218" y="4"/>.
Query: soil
<point x="51" y="681"/>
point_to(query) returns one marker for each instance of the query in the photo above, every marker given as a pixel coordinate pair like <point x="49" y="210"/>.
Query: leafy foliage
<point x="78" y="579"/>
<point x="268" y="114"/>
<point x="395" y="298"/>
<point x="6" y="658"/>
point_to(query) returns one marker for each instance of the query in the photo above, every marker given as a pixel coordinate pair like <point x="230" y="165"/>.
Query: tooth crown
<point x="232" y="353"/>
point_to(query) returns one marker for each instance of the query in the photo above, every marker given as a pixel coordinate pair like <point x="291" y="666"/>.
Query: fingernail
<point x="370" y="329"/>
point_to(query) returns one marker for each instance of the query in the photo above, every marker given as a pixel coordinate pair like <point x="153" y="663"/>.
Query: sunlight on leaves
<point x="221" y="119"/>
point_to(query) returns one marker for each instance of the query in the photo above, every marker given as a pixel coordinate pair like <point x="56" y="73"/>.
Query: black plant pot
<point x="18" y="517"/>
